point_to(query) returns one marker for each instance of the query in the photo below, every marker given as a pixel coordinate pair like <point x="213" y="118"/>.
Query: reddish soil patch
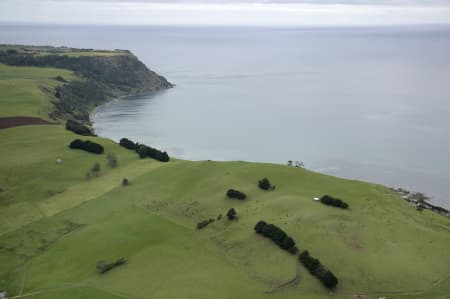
<point x="8" y="122"/>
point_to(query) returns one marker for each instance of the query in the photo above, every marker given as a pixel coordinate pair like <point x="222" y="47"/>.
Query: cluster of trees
<point x="265" y="184"/>
<point x="204" y="223"/>
<point x="128" y="144"/>
<point x="231" y="193"/>
<point x="145" y="150"/>
<point x="104" y="267"/>
<point x="231" y="214"/>
<point x="87" y="145"/>
<point x="148" y="151"/>
<point x="297" y="164"/>
<point x="335" y="202"/>
<point x="78" y="128"/>
<point x="277" y="235"/>
<point x="318" y="270"/>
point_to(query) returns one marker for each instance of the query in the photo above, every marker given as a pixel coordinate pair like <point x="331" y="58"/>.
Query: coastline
<point x="423" y="204"/>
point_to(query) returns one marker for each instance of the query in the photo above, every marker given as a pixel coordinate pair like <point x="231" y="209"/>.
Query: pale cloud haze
<point x="227" y="12"/>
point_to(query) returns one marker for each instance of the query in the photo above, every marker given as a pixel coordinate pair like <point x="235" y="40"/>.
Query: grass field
<point x="26" y="91"/>
<point x="55" y="224"/>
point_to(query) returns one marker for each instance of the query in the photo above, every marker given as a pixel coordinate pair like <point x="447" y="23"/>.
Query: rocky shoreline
<point x="420" y="201"/>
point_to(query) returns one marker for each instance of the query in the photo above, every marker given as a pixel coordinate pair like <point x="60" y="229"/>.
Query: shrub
<point x="219" y="217"/>
<point x="231" y="193"/>
<point x="87" y="145"/>
<point x="265" y="184"/>
<point x="78" y="128"/>
<point x="335" y="202"/>
<point x="96" y="169"/>
<point x="127" y="143"/>
<point x="125" y="182"/>
<point x="60" y="79"/>
<point x="112" y="160"/>
<point x="104" y="267"/>
<point x="231" y="214"/>
<point x="204" y="223"/>
<point x="277" y="235"/>
<point x="318" y="270"/>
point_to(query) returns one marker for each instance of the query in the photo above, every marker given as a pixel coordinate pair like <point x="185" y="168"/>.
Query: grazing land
<point x="56" y="223"/>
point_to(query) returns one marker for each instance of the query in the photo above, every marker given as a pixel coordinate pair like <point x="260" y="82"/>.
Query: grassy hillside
<point x="26" y="91"/>
<point x="98" y="76"/>
<point x="55" y="224"/>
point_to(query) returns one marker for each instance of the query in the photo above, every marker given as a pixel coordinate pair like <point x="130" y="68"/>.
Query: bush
<point x="265" y="184"/>
<point x="335" y="202"/>
<point x="125" y="182"/>
<point x="96" y="168"/>
<point x="204" y="223"/>
<point x="87" y="145"/>
<point x="231" y="214"/>
<point x="78" y="128"/>
<point x="318" y="270"/>
<point x="277" y="235"/>
<point x="104" y="267"/>
<point x="60" y="79"/>
<point x="127" y="143"/>
<point x="231" y="193"/>
<point x="112" y="160"/>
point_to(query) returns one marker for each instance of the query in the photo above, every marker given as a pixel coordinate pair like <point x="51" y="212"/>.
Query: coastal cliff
<point x="99" y="77"/>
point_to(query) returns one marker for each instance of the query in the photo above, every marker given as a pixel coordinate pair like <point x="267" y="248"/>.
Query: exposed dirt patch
<point x="9" y="122"/>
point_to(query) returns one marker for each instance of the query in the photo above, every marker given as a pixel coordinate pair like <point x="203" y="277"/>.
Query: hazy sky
<point x="227" y="12"/>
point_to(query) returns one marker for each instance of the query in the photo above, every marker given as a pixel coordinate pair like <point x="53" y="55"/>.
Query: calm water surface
<point x="365" y="103"/>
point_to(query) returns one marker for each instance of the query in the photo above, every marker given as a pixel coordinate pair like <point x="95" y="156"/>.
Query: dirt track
<point x="9" y="122"/>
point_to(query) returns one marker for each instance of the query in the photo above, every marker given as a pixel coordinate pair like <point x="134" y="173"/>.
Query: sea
<point x="365" y="103"/>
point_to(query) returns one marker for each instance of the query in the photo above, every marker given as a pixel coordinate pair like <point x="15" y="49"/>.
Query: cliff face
<point x="122" y="72"/>
<point x="100" y="78"/>
<point x="104" y="78"/>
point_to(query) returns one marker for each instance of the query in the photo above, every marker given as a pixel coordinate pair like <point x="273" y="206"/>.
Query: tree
<point x="112" y="160"/>
<point x="142" y="151"/>
<point x="127" y="143"/>
<point x="96" y="169"/>
<point x="101" y="265"/>
<point x="125" y="182"/>
<point x="87" y="145"/>
<point x="231" y="214"/>
<point x="331" y="201"/>
<point x="265" y="184"/>
<point x="231" y="193"/>
<point x="277" y="235"/>
<point x="77" y="128"/>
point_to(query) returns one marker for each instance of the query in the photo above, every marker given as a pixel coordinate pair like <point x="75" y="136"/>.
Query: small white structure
<point x="316" y="198"/>
<point x="59" y="161"/>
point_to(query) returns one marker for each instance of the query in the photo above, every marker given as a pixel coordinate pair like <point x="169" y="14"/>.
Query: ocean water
<point x="364" y="103"/>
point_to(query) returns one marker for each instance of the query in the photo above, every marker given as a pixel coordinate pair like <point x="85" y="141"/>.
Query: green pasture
<point x="56" y="223"/>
